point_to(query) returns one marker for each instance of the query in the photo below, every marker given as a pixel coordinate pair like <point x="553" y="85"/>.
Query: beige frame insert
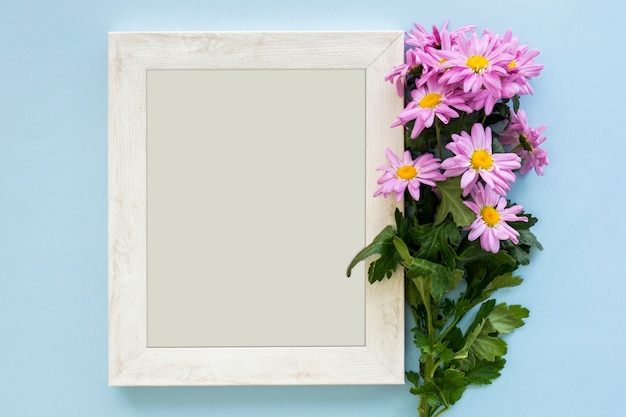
<point x="131" y="361"/>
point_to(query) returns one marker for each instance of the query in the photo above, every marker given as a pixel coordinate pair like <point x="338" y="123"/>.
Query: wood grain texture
<point x="131" y="362"/>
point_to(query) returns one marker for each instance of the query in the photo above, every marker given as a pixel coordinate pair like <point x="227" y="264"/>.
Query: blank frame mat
<point x="255" y="207"/>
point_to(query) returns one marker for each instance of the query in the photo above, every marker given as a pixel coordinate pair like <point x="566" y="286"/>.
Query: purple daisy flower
<point x="525" y="142"/>
<point x="408" y="173"/>
<point x="491" y="217"/>
<point x="477" y="63"/>
<point x="521" y="68"/>
<point x="421" y="38"/>
<point x="430" y="100"/>
<point x="399" y="73"/>
<point x="474" y="159"/>
<point x="483" y="99"/>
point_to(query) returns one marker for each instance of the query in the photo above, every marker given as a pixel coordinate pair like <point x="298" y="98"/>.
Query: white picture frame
<point x="132" y="362"/>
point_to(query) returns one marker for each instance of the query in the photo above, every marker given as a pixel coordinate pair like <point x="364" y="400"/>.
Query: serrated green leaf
<point x="519" y="253"/>
<point x="420" y="339"/>
<point x="437" y="242"/>
<point x="383" y="267"/>
<point x="454" y="338"/>
<point x="381" y="245"/>
<point x="431" y="395"/>
<point x="452" y="203"/>
<point x="506" y="318"/>
<point x="403" y="223"/>
<point x="443" y="353"/>
<point x="526" y="237"/>
<point x="475" y="329"/>
<point x="473" y="252"/>
<point x="484" y="372"/>
<point x="488" y="347"/>
<point x="438" y="275"/>
<point x="483" y="312"/>
<point x="466" y="363"/>
<point x="457" y="277"/>
<point x="445" y="389"/>
<point x="413" y="377"/>
<point x="502" y="281"/>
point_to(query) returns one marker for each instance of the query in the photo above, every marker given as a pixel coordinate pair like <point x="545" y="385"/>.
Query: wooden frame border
<point x="131" y="362"/>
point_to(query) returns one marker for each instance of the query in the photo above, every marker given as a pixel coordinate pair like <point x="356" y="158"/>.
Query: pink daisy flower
<point x="408" y="174"/>
<point x="491" y="217"/>
<point x="399" y="73"/>
<point x="430" y="100"/>
<point x="477" y="63"/>
<point x="421" y="38"/>
<point x="521" y="68"/>
<point x="525" y="142"/>
<point x="431" y="59"/>
<point x="474" y="159"/>
<point x="483" y="99"/>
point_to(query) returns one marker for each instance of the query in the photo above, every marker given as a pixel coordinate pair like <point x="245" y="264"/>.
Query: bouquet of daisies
<point x="459" y="238"/>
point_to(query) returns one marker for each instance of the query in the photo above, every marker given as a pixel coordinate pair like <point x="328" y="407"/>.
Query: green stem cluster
<point x="450" y="280"/>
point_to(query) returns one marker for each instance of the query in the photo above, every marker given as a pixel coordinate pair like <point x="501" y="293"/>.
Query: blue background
<point x="567" y="361"/>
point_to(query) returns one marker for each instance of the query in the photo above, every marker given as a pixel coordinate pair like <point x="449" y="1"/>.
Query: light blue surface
<point x="567" y="361"/>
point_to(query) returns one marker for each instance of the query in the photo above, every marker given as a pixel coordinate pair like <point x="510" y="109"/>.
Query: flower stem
<point x="443" y="410"/>
<point x="428" y="366"/>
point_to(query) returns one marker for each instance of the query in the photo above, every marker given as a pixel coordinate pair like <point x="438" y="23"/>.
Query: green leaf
<point x="505" y="318"/>
<point x="516" y="103"/>
<point x="482" y="337"/>
<point x="454" y="338"/>
<point x="383" y="246"/>
<point x="483" y="312"/>
<point x="424" y="288"/>
<point x="438" y="275"/>
<point x="402" y="224"/>
<point x="473" y="252"/>
<point x="488" y="347"/>
<point x="496" y="146"/>
<point x="443" y="352"/>
<point x="484" y="372"/>
<point x="412" y="295"/>
<point x="502" y="281"/>
<point x="475" y="329"/>
<point x="420" y="339"/>
<point x="382" y="267"/>
<point x="413" y="377"/>
<point x="402" y="250"/>
<point x="519" y="253"/>
<point x="526" y="237"/>
<point x="437" y="242"/>
<point x="430" y="393"/>
<point x="452" y="203"/>
<point x="445" y="389"/>
<point x="457" y="277"/>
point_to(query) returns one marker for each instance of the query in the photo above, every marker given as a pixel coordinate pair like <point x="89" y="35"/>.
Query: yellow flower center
<point x="430" y="100"/>
<point x="481" y="159"/>
<point x="407" y="172"/>
<point x="477" y="63"/>
<point x="512" y="64"/>
<point x="490" y="216"/>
